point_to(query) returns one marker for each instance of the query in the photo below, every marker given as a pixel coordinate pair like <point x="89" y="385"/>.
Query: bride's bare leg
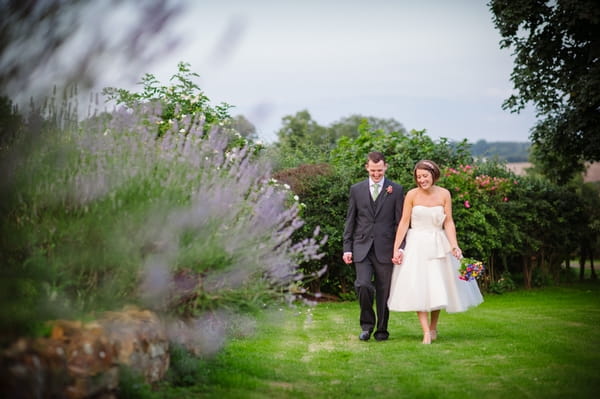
<point x="424" y="320"/>
<point x="435" y="315"/>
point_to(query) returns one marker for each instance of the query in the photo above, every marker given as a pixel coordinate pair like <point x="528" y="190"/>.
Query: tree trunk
<point x="582" y="263"/>
<point x="593" y="275"/>
<point x="527" y="269"/>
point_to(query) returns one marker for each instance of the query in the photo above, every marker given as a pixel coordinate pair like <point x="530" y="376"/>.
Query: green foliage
<point x="323" y="192"/>
<point x="504" y="284"/>
<point x="301" y="131"/>
<point x="184" y="367"/>
<point x="557" y="165"/>
<point x="178" y="102"/>
<point x="350" y="126"/>
<point x="323" y="189"/>
<point x="590" y="230"/>
<point x="546" y="224"/>
<point x="556" y="68"/>
<point x="302" y="140"/>
<point x="284" y="157"/>
<point x="133" y="386"/>
<point x="402" y="152"/>
<point x="11" y="121"/>
<point x="477" y="199"/>
<point x="520" y="225"/>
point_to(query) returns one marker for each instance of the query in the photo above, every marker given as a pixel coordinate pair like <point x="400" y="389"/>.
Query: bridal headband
<point x="430" y="166"/>
<point x="426" y="163"/>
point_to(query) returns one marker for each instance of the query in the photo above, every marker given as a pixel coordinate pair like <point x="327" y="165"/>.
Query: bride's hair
<point x="429" y="166"/>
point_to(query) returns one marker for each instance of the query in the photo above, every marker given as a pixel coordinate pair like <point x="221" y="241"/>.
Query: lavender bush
<point x="103" y="213"/>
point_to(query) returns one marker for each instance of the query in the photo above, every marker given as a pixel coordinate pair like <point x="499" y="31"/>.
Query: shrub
<point x="103" y="213"/>
<point x="503" y="284"/>
<point x="133" y="386"/>
<point x="184" y="368"/>
<point x="323" y="192"/>
<point x="498" y="215"/>
<point x="476" y="201"/>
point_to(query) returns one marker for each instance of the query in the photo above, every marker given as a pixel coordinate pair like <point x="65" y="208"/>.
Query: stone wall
<point x="81" y="360"/>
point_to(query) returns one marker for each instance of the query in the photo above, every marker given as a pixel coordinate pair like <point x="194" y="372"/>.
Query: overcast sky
<point x="429" y="64"/>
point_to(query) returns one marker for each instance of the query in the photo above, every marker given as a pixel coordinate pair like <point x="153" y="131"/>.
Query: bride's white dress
<point x="428" y="279"/>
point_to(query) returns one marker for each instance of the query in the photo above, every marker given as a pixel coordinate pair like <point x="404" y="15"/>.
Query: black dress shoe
<point x="364" y="336"/>
<point x="381" y="336"/>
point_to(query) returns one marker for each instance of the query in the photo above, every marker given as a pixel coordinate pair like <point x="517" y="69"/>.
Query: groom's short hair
<point x="375" y="156"/>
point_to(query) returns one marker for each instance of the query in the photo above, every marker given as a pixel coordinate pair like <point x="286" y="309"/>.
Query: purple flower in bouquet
<point x="470" y="269"/>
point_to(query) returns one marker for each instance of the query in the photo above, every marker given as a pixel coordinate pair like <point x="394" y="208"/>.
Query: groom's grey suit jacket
<point x="373" y="223"/>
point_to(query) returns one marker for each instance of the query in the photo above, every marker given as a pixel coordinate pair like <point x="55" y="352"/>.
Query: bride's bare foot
<point x="433" y="334"/>
<point x="427" y="338"/>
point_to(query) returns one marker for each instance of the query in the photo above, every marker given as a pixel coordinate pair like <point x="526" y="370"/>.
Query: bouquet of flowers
<point x="470" y="269"/>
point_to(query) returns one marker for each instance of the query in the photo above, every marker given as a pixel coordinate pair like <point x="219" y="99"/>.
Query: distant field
<point x="592" y="174"/>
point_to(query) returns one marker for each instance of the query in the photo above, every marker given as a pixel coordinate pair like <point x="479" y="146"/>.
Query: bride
<point x="427" y="279"/>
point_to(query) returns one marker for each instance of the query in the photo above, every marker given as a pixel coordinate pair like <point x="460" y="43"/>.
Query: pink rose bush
<point x="469" y="187"/>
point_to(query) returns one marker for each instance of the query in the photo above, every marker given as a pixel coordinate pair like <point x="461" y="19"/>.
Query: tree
<point x="300" y="130"/>
<point x="348" y="126"/>
<point x="243" y="126"/>
<point x="557" y="68"/>
<point x="303" y="140"/>
<point x="590" y="230"/>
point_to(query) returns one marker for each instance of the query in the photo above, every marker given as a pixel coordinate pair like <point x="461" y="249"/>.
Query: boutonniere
<point x="389" y="189"/>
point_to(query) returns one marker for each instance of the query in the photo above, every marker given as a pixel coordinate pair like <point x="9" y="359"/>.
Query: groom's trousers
<point x="372" y="284"/>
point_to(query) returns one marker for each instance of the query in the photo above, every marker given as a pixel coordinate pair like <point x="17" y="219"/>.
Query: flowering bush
<point x="178" y="103"/>
<point x="468" y="184"/>
<point x="480" y="194"/>
<point x="104" y="213"/>
<point x="470" y="269"/>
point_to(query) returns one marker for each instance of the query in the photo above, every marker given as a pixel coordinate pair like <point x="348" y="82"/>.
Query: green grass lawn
<point x="543" y="343"/>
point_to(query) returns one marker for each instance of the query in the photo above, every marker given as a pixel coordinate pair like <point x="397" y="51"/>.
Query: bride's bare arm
<point x="404" y="221"/>
<point x="449" y="226"/>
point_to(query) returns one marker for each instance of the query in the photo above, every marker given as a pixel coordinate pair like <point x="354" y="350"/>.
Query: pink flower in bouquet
<point x="467" y="204"/>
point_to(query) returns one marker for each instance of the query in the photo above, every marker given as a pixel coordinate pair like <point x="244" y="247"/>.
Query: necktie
<point x="375" y="191"/>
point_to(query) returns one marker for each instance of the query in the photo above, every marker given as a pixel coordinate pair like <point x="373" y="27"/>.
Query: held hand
<point x="347" y="258"/>
<point x="457" y="253"/>
<point x="398" y="257"/>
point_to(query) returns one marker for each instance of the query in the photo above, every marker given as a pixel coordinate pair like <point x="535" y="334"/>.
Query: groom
<point x="374" y="211"/>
